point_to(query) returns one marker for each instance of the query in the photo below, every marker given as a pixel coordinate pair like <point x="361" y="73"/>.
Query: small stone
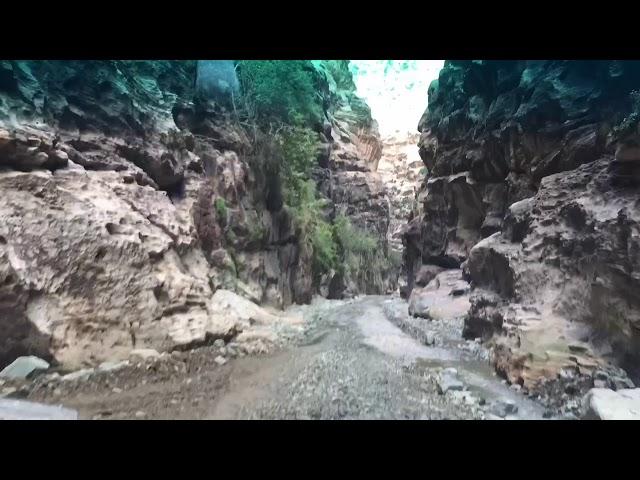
<point x="578" y="348"/>
<point x="491" y="416"/>
<point x="116" y="390"/>
<point x="8" y="391"/>
<point x="218" y="343"/>
<point x="600" y="375"/>
<point x="231" y="352"/>
<point x="173" y="401"/>
<point x="620" y="383"/>
<point x="78" y="375"/>
<point x="447" y="381"/>
<point x="503" y="408"/>
<point x="566" y="374"/>
<point x="600" y="384"/>
<point x="144" y="353"/>
<point x="515" y="387"/>
<point x="53" y="376"/>
<point x="40" y="158"/>
<point x="470" y="400"/>
<point x="220" y="360"/>
<point x="429" y="338"/>
<point x="178" y="355"/>
<point x="23" y="367"/>
<point x="140" y="414"/>
<point x="222" y="351"/>
<point x="112" y="366"/>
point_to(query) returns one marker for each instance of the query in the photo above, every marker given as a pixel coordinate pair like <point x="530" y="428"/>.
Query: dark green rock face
<point x="217" y="79"/>
<point x="534" y="117"/>
<point x="108" y="96"/>
<point x="533" y="174"/>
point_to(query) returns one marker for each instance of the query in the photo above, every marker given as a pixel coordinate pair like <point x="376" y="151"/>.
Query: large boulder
<point x="605" y="404"/>
<point x="566" y="274"/>
<point x="23" y="367"/>
<point x="446" y="297"/>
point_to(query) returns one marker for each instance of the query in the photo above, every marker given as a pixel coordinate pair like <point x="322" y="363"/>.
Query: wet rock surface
<point x="350" y="361"/>
<point x="21" y="410"/>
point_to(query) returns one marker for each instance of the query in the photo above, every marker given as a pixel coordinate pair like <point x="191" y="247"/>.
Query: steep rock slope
<point x="349" y="176"/>
<point x="532" y="187"/>
<point x="129" y="201"/>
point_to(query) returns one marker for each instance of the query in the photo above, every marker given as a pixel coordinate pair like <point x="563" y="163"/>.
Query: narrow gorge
<point x="277" y="239"/>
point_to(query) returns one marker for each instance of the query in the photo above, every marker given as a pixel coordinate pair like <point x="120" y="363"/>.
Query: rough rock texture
<point x="446" y="297"/>
<point x="22" y="367"/>
<point x="129" y="201"/>
<point x="533" y="189"/>
<point x="605" y="404"/>
<point x="567" y="267"/>
<point x="349" y="178"/>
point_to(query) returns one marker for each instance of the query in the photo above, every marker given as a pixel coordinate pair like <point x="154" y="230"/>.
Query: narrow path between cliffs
<point x="355" y="363"/>
<point x="352" y="362"/>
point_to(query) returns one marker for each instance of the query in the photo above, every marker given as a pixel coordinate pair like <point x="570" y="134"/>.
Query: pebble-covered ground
<point x="351" y="362"/>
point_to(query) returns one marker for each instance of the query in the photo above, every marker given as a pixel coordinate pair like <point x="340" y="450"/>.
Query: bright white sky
<point x="396" y="90"/>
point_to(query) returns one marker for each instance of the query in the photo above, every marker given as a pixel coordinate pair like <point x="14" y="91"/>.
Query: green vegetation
<point x="258" y="234"/>
<point x="363" y="259"/>
<point x="221" y="208"/>
<point x="316" y="234"/>
<point x="298" y="146"/>
<point x="281" y="91"/>
<point x="281" y="100"/>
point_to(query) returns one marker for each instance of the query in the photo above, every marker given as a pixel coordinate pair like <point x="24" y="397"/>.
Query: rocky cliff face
<point x="129" y="201"/>
<point x="349" y="177"/>
<point x="532" y="188"/>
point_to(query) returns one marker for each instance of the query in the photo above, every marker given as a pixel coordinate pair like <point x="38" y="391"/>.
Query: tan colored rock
<point x="446" y="297"/>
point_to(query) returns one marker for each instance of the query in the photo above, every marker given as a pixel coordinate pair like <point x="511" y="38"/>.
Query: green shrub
<point x="281" y="91"/>
<point x="298" y="146"/>
<point x="361" y="256"/>
<point x="221" y="208"/>
<point x="258" y="233"/>
<point x="315" y="233"/>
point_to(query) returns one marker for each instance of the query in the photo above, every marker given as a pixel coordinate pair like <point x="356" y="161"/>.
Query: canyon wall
<point x="532" y="188"/>
<point x="130" y="198"/>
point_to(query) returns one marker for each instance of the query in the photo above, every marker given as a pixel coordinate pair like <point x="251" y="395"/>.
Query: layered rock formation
<point x="130" y="199"/>
<point x="349" y="178"/>
<point x="532" y="189"/>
